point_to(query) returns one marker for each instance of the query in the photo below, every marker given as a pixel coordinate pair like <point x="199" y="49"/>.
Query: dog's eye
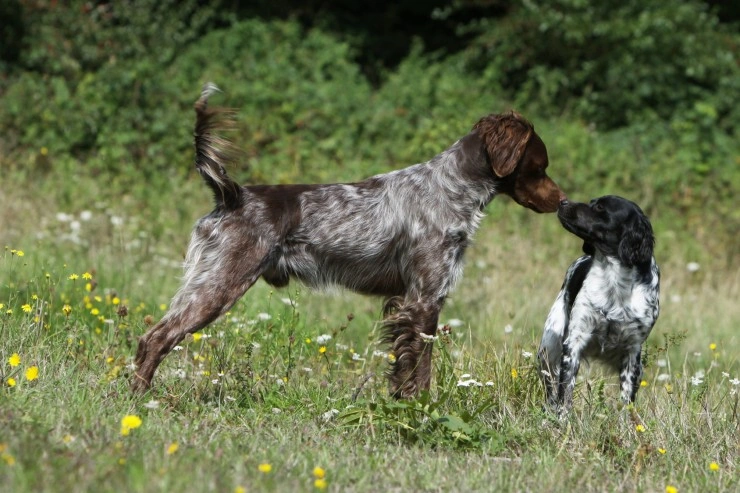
<point x="598" y="207"/>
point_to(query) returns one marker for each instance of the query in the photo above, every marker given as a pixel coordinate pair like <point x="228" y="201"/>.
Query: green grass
<point x="274" y="392"/>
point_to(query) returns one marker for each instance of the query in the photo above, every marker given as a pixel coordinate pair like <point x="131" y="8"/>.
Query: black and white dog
<point x="608" y="303"/>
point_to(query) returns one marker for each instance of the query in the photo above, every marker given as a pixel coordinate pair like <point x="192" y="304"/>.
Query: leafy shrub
<point x="612" y="62"/>
<point x="297" y="90"/>
<point x="88" y="86"/>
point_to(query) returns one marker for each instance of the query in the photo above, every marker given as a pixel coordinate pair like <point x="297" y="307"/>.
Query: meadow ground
<point x="286" y="392"/>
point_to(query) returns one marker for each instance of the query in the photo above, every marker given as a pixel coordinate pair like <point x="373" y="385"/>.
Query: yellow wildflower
<point x="26" y="308"/>
<point x="712" y="346"/>
<point x="264" y="468"/>
<point x="319" y="473"/>
<point x="172" y="448"/>
<point x="116" y="300"/>
<point x="308" y="340"/>
<point x="10" y="381"/>
<point x="32" y="373"/>
<point x="671" y="489"/>
<point x="713" y="466"/>
<point x="9" y="459"/>
<point x="322" y="349"/>
<point x="320" y="484"/>
<point x="240" y="489"/>
<point x="87" y="276"/>
<point x="391" y="358"/>
<point x="34" y="297"/>
<point x="514" y="373"/>
<point x="67" y="310"/>
<point x="14" y="360"/>
<point x="73" y="277"/>
<point x="662" y="451"/>
<point x="640" y="429"/>
<point x="197" y="336"/>
<point x="95" y="312"/>
<point x="128" y="423"/>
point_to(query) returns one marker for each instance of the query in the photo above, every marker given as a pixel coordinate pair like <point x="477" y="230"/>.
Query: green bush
<point x="612" y="62"/>
<point x="89" y="88"/>
<point x="298" y="93"/>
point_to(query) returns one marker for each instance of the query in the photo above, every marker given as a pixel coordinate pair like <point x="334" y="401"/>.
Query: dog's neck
<point x="468" y="161"/>
<point x="461" y="181"/>
<point x="618" y="272"/>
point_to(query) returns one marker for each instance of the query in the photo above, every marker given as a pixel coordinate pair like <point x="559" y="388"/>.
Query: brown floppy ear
<point x="504" y="137"/>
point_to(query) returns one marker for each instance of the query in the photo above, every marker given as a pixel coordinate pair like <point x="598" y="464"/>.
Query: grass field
<point x="286" y="393"/>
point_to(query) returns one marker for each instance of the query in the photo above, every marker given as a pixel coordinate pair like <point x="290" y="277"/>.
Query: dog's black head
<point x="613" y="225"/>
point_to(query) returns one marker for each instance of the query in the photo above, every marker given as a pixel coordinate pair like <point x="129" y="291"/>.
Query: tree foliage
<point x="613" y="62"/>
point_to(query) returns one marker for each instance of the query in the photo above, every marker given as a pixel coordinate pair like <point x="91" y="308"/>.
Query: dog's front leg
<point x="573" y="347"/>
<point x="410" y="328"/>
<point x="579" y="334"/>
<point x="630" y="373"/>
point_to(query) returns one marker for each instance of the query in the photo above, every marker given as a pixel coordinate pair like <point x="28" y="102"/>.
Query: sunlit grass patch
<point x="295" y="380"/>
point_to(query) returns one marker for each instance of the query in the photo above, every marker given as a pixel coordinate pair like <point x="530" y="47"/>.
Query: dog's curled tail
<point x="212" y="152"/>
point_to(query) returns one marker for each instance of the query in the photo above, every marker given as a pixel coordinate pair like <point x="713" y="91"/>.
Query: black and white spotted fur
<point x="608" y="303"/>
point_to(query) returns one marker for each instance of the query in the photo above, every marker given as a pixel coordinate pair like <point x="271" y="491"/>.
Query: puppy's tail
<point x="212" y="152"/>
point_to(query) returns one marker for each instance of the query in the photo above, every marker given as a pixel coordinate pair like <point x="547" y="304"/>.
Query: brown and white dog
<point x="400" y="235"/>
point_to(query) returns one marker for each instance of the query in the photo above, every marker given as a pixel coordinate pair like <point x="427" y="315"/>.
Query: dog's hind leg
<point x="218" y="273"/>
<point x="193" y="308"/>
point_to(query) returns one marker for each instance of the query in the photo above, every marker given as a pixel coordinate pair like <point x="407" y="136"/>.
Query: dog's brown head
<point x="519" y="159"/>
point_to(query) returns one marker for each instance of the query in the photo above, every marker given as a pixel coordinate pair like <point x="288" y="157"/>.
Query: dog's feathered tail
<point x="212" y="152"/>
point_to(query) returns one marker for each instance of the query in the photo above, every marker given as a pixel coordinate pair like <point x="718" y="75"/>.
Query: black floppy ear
<point x="588" y="248"/>
<point x="636" y="247"/>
